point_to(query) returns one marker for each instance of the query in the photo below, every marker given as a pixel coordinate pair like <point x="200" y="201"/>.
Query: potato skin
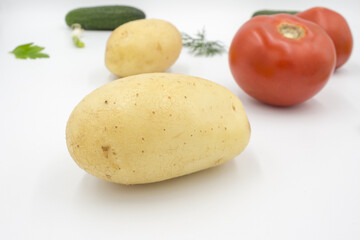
<point x="151" y="127"/>
<point x="142" y="46"/>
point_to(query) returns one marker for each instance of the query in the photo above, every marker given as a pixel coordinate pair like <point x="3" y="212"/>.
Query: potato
<point x="142" y="46"/>
<point x="156" y="126"/>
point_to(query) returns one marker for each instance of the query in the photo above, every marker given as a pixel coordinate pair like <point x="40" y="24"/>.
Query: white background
<point x="299" y="178"/>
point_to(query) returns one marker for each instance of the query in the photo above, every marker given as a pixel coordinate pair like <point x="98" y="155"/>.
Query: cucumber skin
<point x="103" y="17"/>
<point x="272" y="12"/>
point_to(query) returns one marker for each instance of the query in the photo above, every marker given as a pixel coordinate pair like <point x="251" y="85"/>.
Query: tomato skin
<point x="336" y="26"/>
<point x="278" y="70"/>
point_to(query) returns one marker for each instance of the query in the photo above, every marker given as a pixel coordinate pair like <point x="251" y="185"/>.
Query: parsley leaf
<point x="29" y="51"/>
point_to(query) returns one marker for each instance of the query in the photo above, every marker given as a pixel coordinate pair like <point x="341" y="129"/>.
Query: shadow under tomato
<point x="350" y="68"/>
<point x="310" y="107"/>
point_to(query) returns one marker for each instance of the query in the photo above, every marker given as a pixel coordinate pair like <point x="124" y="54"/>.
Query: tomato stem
<point x="291" y="31"/>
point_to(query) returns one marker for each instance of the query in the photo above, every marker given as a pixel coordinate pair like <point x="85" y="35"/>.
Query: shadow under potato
<point x="213" y="181"/>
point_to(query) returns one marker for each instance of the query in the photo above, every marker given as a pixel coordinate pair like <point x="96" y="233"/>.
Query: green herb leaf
<point x="199" y="46"/>
<point x="78" y="42"/>
<point x="29" y="51"/>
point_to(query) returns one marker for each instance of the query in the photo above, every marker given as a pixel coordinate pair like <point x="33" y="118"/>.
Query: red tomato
<point x="281" y="59"/>
<point x="336" y="26"/>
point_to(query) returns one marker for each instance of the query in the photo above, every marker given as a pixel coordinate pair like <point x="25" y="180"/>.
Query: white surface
<point x="298" y="178"/>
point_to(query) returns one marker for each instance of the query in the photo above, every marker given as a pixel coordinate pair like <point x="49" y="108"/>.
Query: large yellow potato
<point x="142" y="46"/>
<point x="151" y="127"/>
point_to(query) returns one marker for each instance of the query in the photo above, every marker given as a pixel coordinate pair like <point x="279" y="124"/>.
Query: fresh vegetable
<point x="99" y="18"/>
<point x="142" y="46"/>
<point x="199" y="46"/>
<point x="110" y="17"/>
<point x="156" y="126"/>
<point x="103" y="17"/>
<point x="272" y="12"/>
<point x="332" y="22"/>
<point x="281" y="59"/>
<point x="29" y="50"/>
<point x="336" y="26"/>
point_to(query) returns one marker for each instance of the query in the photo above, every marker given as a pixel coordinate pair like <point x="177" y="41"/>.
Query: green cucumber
<point x="272" y="12"/>
<point x="103" y="17"/>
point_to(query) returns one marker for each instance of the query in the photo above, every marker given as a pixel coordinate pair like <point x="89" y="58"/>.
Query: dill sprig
<point x="199" y="46"/>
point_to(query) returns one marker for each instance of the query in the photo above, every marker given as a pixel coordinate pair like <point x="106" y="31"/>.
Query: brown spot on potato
<point x="153" y="112"/>
<point x="217" y="162"/>
<point x="234" y="108"/>
<point x="105" y="150"/>
<point x="124" y="34"/>
<point x="108" y="176"/>
<point x="143" y="138"/>
<point x="106" y="102"/>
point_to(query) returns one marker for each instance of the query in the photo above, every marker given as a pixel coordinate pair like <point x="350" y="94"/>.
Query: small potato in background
<point x="156" y="126"/>
<point x="142" y="46"/>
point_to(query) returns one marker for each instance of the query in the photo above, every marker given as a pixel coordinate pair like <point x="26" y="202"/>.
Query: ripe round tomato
<point x="281" y="59"/>
<point x="336" y="26"/>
